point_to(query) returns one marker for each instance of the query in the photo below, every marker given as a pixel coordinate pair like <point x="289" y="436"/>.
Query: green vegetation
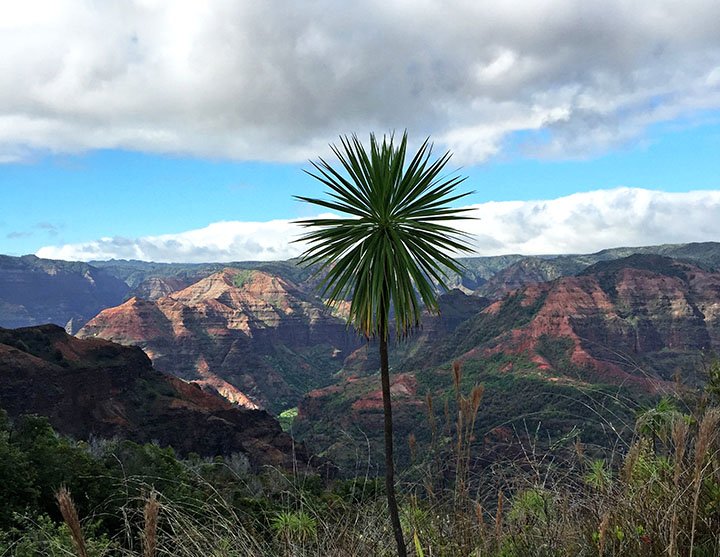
<point x="520" y="400"/>
<point x="515" y="312"/>
<point x="504" y="459"/>
<point x="242" y="278"/>
<point x="657" y="495"/>
<point x="306" y="369"/>
<point x="556" y="350"/>
<point x="287" y="417"/>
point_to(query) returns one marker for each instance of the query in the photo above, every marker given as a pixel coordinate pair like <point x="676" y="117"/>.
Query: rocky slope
<point x="636" y="319"/>
<point x="525" y="272"/>
<point x="577" y="354"/>
<point x="35" y="291"/>
<point x="254" y="337"/>
<point x="155" y="288"/>
<point x="99" y="388"/>
<point x="455" y="307"/>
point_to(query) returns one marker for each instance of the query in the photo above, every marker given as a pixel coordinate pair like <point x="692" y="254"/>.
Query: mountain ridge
<point x="35" y="291"/>
<point x="98" y="388"/>
<point x="118" y="280"/>
<point x="250" y="331"/>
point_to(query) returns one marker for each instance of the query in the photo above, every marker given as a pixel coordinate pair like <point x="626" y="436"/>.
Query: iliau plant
<point x="392" y="241"/>
<point x="294" y="527"/>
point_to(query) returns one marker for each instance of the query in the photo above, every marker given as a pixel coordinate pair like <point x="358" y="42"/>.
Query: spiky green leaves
<point x="394" y="240"/>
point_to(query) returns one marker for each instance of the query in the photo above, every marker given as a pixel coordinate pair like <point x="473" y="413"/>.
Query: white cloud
<point x="220" y="241"/>
<point x="578" y="223"/>
<point x="274" y="80"/>
<point x="589" y="222"/>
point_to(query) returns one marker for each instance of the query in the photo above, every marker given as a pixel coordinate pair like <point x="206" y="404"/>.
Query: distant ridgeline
<point x="36" y="291"/>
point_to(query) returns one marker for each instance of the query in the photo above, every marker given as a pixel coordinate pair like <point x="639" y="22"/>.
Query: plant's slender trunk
<point x="389" y="463"/>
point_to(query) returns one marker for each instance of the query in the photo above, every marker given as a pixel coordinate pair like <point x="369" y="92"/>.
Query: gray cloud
<point x="276" y="81"/>
<point x="17" y="235"/>
<point x="578" y="223"/>
<point x="49" y="228"/>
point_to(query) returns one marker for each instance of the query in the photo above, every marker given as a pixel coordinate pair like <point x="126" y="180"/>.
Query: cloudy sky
<point x="178" y="130"/>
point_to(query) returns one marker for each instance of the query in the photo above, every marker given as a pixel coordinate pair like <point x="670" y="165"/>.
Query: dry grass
<point x="660" y="496"/>
<point x="70" y="516"/>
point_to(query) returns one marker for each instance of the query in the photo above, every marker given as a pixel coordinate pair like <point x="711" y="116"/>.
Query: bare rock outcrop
<point x="256" y="336"/>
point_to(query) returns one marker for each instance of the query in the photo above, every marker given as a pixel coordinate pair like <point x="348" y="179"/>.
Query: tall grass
<point x="656" y="495"/>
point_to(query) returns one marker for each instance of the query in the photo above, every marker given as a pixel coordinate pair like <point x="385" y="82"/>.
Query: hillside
<point x="641" y="316"/>
<point x="252" y="336"/>
<point x="526" y="271"/>
<point x="574" y="354"/>
<point x="96" y="388"/>
<point x="150" y="281"/>
<point x="35" y="291"/>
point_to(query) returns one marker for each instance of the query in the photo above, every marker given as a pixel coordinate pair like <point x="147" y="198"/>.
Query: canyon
<point x="255" y="338"/>
<point x="562" y="343"/>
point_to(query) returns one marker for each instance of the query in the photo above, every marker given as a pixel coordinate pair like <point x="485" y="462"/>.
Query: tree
<point x="393" y="241"/>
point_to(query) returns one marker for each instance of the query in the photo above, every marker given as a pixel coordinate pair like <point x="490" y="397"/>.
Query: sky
<point x="179" y="130"/>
